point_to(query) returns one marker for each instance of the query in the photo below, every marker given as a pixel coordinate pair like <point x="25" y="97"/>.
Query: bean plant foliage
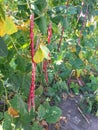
<point x="46" y="47"/>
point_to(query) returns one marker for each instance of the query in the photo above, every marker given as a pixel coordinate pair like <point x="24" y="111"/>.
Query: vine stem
<point x="16" y="49"/>
<point x="6" y="96"/>
<point x="45" y="70"/>
<point x="83" y="24"/>
<point x="14" y="46"/>
<point x="62" y="32"/>
<point x="81" y="11"/>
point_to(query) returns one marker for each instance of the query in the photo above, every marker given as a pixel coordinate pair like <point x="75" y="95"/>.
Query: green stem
<point x="6" y="94"/>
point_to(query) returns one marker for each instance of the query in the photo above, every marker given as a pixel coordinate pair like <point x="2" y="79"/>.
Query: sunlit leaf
<point x="41" y="53"/>
<point x="72" y="48"/>
<point x="45" y="51"/>
<point x="23" y="26"/>
<point x="7" y="26"/>
<point x="10" y="27"/>
<point x="2" y="28"/>
<point x="39" y="56"/>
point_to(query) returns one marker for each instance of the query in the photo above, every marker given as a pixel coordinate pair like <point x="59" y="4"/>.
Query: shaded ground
<point x="73" y="118"/>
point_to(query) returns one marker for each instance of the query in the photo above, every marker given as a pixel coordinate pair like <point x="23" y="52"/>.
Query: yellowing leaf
<point x="7" y="26"/>
<point x="10" y="27"/>
<point x="73" y="49"/>
<point x="45" y="51"/>
<point x="41" y="53"/>
<point x="96" y="98"/>
<point x="2" y="30"/>
<point x="13" y="112"/>
<point x="23" y="26"/>
<point x="77" y="33"/>
<point x="96" y="18"/>
<point x="39" y="56"/>
<point x="78" y="73"/>
<point x="86" y="62"/>
<point x="88" y="24"/>
<point x="81" y="56"/>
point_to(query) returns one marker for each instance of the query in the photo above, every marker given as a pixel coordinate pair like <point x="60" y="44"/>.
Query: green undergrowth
<point x="73" y="67"/>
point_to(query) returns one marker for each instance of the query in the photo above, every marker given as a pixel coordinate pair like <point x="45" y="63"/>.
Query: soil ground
<point x="73" y="118"/>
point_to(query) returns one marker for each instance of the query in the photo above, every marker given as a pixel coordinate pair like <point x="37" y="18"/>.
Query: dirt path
<point x="73" y="119"/>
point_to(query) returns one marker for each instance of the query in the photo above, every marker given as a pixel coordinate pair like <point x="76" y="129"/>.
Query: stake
<point x="83" y="115"/>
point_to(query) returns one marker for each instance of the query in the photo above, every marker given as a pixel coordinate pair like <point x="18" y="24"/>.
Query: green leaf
<point x="1" y="88"/>
<point x="12" y="63"/>
<point x="7" y="122"/>
<point x="72" y="10"/>
<point x="25" y="84"/>
<point x="64" y="22"/>
<point x="36" y="126"/>
<point x="24" y="122"/>
<point x="57" y="19"/>
<point x="15" y="80"/>
<point x="41" y="112"/>
<point x="55" y="28"/>
<point x="2" y="14"/>
<point x="53" y="114"/>
<point x="62" y="85"/>
<point x="75" y="88"/>
<point x="3" y="48"/>
<point x="21" y="63"/>
<point x="20" y="81"/>
<point x="60" y="9"/>
<point x="41" y="4"/>
<point x="42" y="23"/>
<point x="1" y="115"/>
<point x="51" y="92"/>
<point x="39" y="90"/>
<point x="37" y="101"/>
<point x="35" y="9"/>
<point x="18" y="103"/>
<point x="51" y="77"/>
<point x="77" y="63"/>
